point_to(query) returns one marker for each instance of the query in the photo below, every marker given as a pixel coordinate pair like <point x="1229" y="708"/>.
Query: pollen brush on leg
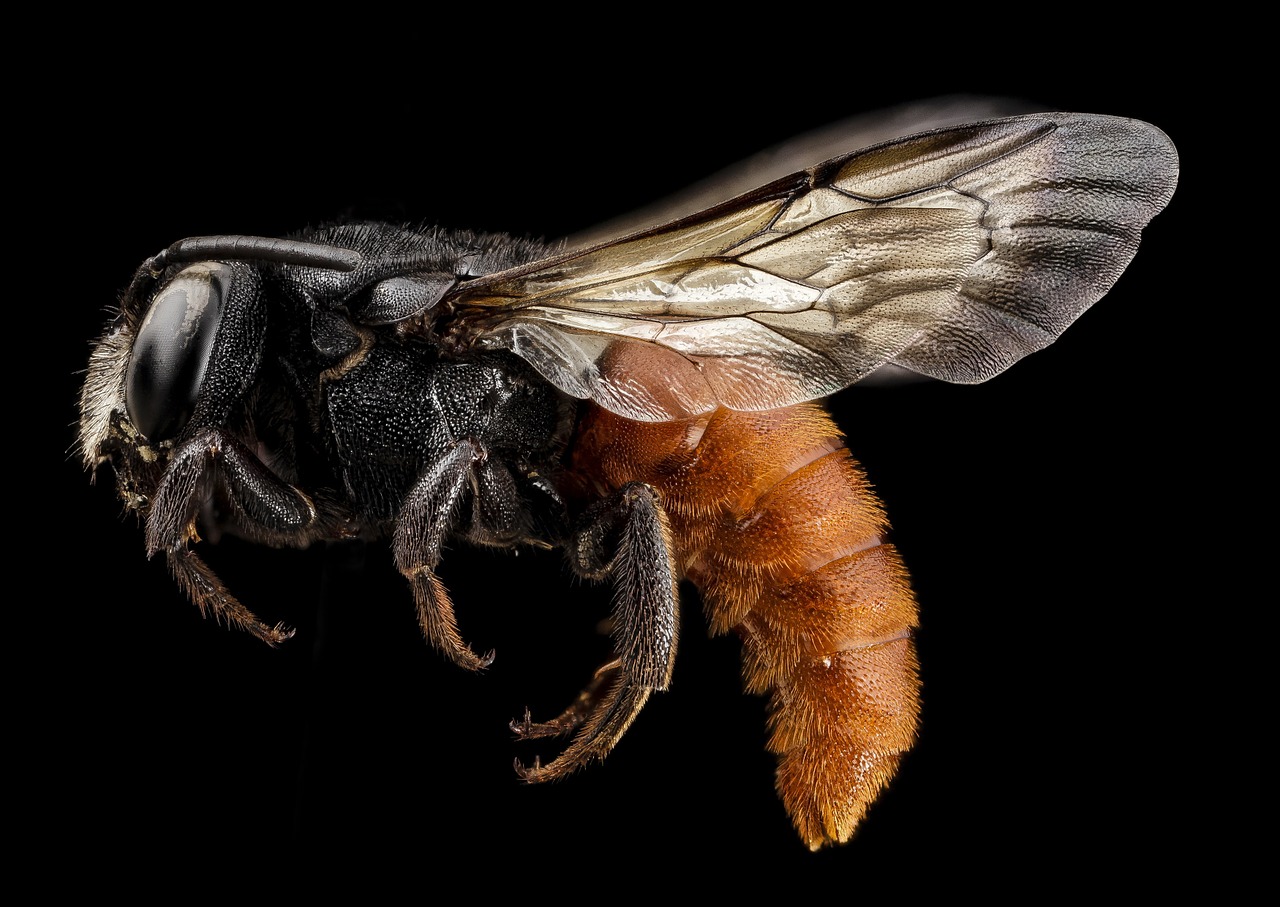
<point x="782" y="534"/>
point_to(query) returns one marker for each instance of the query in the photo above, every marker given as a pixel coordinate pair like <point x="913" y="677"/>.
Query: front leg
<point x="265" y="507"/>
<point x="634" y="527"/>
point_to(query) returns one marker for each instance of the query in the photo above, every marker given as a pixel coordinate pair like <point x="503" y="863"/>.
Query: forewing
<point x="952" y="254"/>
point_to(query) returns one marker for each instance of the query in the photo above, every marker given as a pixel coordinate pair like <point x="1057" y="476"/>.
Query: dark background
<point x="1047" y="517"/>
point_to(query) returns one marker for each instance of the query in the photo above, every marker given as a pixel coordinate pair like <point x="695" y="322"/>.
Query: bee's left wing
<point x="952" y="254"/>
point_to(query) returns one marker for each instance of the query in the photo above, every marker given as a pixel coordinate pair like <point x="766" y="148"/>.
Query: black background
<point x="1047" y="517"/>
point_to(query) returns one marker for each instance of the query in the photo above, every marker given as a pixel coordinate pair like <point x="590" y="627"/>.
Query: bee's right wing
<point x="952" y="254"/>
<point x="799" y="152"/>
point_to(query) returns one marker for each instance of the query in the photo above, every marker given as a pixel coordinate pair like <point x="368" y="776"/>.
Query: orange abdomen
<point x="779" y="529"/>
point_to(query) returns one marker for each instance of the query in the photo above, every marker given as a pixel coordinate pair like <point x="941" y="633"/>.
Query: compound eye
<point x="172" y="350"/>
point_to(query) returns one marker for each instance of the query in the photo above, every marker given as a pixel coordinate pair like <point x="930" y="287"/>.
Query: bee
<point x="650" y="405"/>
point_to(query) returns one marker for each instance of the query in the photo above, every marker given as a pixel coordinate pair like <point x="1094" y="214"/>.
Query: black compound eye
<point x="172" y="350"/>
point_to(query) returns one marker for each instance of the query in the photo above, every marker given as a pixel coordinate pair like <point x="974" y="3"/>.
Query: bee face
<point x="490" y="337"/>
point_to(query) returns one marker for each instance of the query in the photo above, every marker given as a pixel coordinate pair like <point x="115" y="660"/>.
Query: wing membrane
<point x="952" y="254"/>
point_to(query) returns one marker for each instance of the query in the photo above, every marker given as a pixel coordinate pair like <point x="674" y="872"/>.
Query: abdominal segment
<point x="778" y="527"/>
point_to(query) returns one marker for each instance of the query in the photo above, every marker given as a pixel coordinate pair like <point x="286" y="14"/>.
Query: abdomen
<point x="780" y="531"/>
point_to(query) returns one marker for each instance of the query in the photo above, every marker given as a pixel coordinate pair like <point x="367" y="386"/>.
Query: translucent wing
<point x="953" y="254"/>
<point x="861" y="130"/>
